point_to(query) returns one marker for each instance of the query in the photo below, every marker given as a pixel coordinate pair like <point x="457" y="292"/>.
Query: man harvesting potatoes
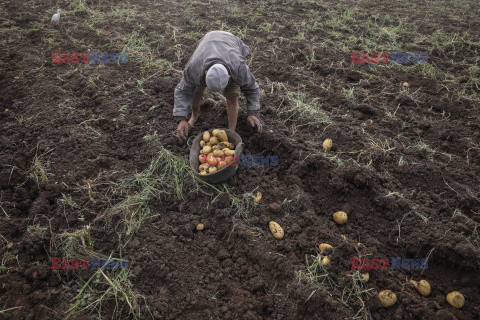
<point x="218" y="64"/>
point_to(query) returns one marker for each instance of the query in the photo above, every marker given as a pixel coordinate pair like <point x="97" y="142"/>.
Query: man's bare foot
<point x="193" y="120"/>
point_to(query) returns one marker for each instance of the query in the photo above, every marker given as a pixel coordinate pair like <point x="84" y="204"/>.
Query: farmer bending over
<point x="219" y="64"/>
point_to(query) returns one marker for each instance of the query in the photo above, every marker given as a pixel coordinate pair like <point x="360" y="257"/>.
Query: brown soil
<point x="228" y="271"/>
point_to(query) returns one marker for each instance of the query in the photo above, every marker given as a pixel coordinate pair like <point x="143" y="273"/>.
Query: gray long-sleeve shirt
<point x="217" y="47"/>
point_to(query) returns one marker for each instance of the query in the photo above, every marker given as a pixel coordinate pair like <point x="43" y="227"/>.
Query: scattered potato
<point x="258" y="197"/>
<point x="276" y="230"/>
<point x="414" y="283"/>
<point x="326" y="261"/>
<point x="206" y="136"/>
<point x="324" y="246"/>
<point x="340" y="217"/>
<point x="218" y="153"/>
<point x="406" y="85"/>
<point x="456" y="299"/>
<point x="424" y="288"/>
<point x="365" y="276"/>
<point x="387" y="298"/>
<point x="327" y="144"/>
<point x="200" y="227"/>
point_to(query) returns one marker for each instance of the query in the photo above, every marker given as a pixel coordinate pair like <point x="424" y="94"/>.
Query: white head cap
<point x="217" y="77"/>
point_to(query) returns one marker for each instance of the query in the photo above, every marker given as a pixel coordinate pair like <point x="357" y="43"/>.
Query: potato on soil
<point x="276" y="230"/>
<point x="327" y="144"/>
<point x="324" y="246"/>
<point x="456" y="299"/>
<point x="387" y="298"/>
<point x="206" y="136"/>
<point x="326" y="261"/>
<point x="340" y="217"/>
<point x="424" y="288"/>
<point x="365" y="276"/>
<point x="200" y="227"/>
<point x="258" y="197"/>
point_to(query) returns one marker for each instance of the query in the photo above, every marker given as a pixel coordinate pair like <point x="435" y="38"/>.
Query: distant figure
<point x="56" y="17"/>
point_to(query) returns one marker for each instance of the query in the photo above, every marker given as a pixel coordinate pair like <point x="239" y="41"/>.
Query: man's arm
<point x="250" y="89"/>
<point x="184" y="93"/>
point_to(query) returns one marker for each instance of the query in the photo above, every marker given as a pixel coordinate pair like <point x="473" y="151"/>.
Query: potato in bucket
<point x="212" y="154"/>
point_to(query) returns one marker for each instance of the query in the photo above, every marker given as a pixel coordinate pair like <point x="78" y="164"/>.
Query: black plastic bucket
<point x="223" y="174"/>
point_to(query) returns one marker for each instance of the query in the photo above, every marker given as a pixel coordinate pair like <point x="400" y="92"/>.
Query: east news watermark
<point x="359" y="263"/>
<point x="396" y="57"/>
<point x="93" y="263"/>
<point x="87" y="57"/>
<point x="248" y="160"/>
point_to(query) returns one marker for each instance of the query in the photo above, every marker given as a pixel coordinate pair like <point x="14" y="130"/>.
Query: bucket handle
<point x="240" y="145"/>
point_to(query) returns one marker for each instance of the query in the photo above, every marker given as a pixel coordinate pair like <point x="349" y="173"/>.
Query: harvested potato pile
<point x="216" y="152"/>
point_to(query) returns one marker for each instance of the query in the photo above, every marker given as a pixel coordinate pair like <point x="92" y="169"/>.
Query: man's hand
<point x="254" y="122"/>
<point x="182" y="130"/>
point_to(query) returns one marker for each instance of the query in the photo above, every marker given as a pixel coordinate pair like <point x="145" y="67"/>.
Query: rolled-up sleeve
<point x="184" y="93"/>
<point x="250" y="89"/>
